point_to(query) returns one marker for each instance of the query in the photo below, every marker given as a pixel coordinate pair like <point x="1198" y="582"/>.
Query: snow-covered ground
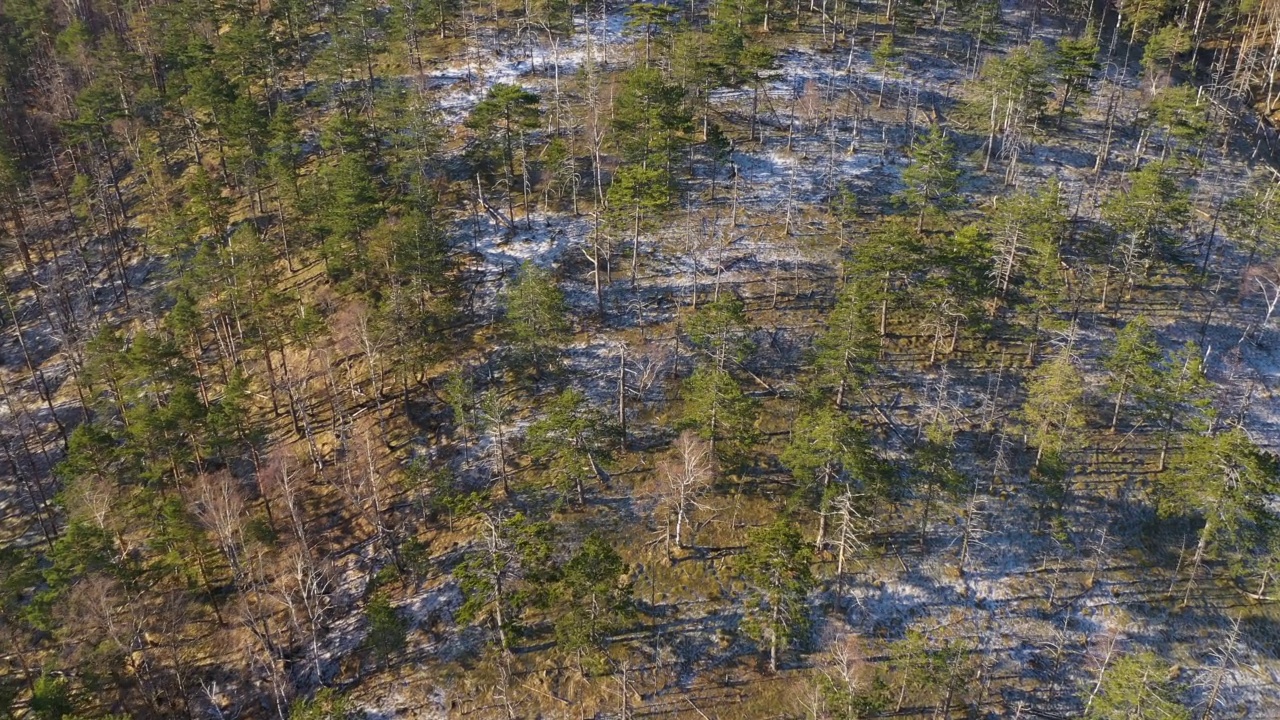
<point x="538" y="59"/>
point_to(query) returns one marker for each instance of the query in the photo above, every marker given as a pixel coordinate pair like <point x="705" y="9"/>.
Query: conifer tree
<point x="637" y="196"/>
<point x="387" y="630"/>
<point x="1144" y="217"/>
<point x="1136" y="686"/>
<point x="1181" y="115"/>
<point x="348" y="205"/>
<point x="597" y="601"/>
<point x="935" y="471"/>
<point x="885" y="58"/>
<point x="1253" y="219"/>
<point x="509" y="570"/>
<point x="574" y="439"/>
<point x="501" y="121"/>
<point x="721" y="330"/>
<point x="844" y="352"/>
<point x="1054" y="410"/>
<point x="1076" y="65"/>
<point x="827" y="451"/>
<point x="1025" y="224"/>
<point x="932" y="179"/>
<point x="722" y="414"/>
<point x="887" y="261"/>
<point x="1009" y="96"/>
<point x="1223" y="479"/>
<point x="537" y="320"/>
<point x="1162" y="48"/>
<point x="1132" y="364"/>
<point x="776" y="567"/>
<point x="1180" y="398"/>
<point x="649" y="119"/>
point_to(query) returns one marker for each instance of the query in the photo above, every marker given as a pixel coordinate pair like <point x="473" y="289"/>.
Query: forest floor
<point x="1042" y="602"/>
<point x="1039" y="600"/>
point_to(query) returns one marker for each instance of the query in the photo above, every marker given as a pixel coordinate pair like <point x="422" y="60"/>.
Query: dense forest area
<point x="711" y="358"/>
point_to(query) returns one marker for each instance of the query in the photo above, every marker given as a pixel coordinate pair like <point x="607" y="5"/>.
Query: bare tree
<point x="1267" y="280"/>
<point x="1102" y="657"/>
<point x="851" y="527"/>
<point x="218" y="502"/>
<point x="303" y="587"/>
<point x="279" y="474"/>
<point x="1225" y="657"/>
<point x="688" y="474"/>
<point x="494" y="413"/>
<point x="360" y="482"/>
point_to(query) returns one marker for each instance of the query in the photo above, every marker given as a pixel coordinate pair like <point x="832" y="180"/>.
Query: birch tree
<point x="687" y="475"/>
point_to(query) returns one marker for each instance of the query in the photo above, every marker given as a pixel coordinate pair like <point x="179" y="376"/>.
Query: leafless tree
<point x="1224" y="657"/>
<point x="218" y="501"/>
<point x="688" y="475"/>
<point x="302" y="588"/>
<point x="494" y="412"/>
<point x="1101" y="655"/>
<point x="1267" y="280"/>
<point x="851" y="527"/>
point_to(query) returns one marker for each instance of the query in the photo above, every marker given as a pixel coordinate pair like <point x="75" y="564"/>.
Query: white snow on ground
<point x="804" y="175"/>
<point x="533" y="65"/>
<point x="542" y="238"/>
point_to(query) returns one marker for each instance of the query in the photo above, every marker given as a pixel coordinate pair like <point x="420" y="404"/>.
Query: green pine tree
<point x="537" y="320"/>
<point x="776" y="568"/>
<point x="723" y="415"/>
<point x="932" y="179"/>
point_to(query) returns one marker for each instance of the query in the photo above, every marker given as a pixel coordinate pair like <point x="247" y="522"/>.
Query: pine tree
<point x="935" y="471"/>
<point x="510" y="569"/>
<point x="844" y="352"/>
<point x="722" y="414"/>
<point x="501" y="121"/>
<point x="635" y="197"/>
<point x="574" y="439"/>
<point x="1054" y="411"/>
<point x="596" y="600"/>
<point x="1182" y="116"/>
<point x="884" y="265"/>
<point x="387" y="630"/>
<point x="349" y="207"/>
<point x="648" y="20"/>
<point x="649" y="119"/>
<point x="828" y="452"/>
<point x="1223" y="479"/>
<point x="776" y="567"/>
<point x="1025" y="224"/>
<point x="956" y="293"/>
<point x="1162" y="48"/>
<point x="537" y="322"/>
<point x="1076" y="64"/>
<point x="721" y="330"/>
<point x="1132" y="364"/>
<point x="1253" y="220"/>
<point x="1145" y="216"/>
<point x="1180" y="398"/>
<point x="1136" y="686"/>
<point x="932" y="179"/>
<point x="326" y="704"/>
<point x="931" y="668"/>
<point x="1009" y="96"/>
<point x="885" y="59"/>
